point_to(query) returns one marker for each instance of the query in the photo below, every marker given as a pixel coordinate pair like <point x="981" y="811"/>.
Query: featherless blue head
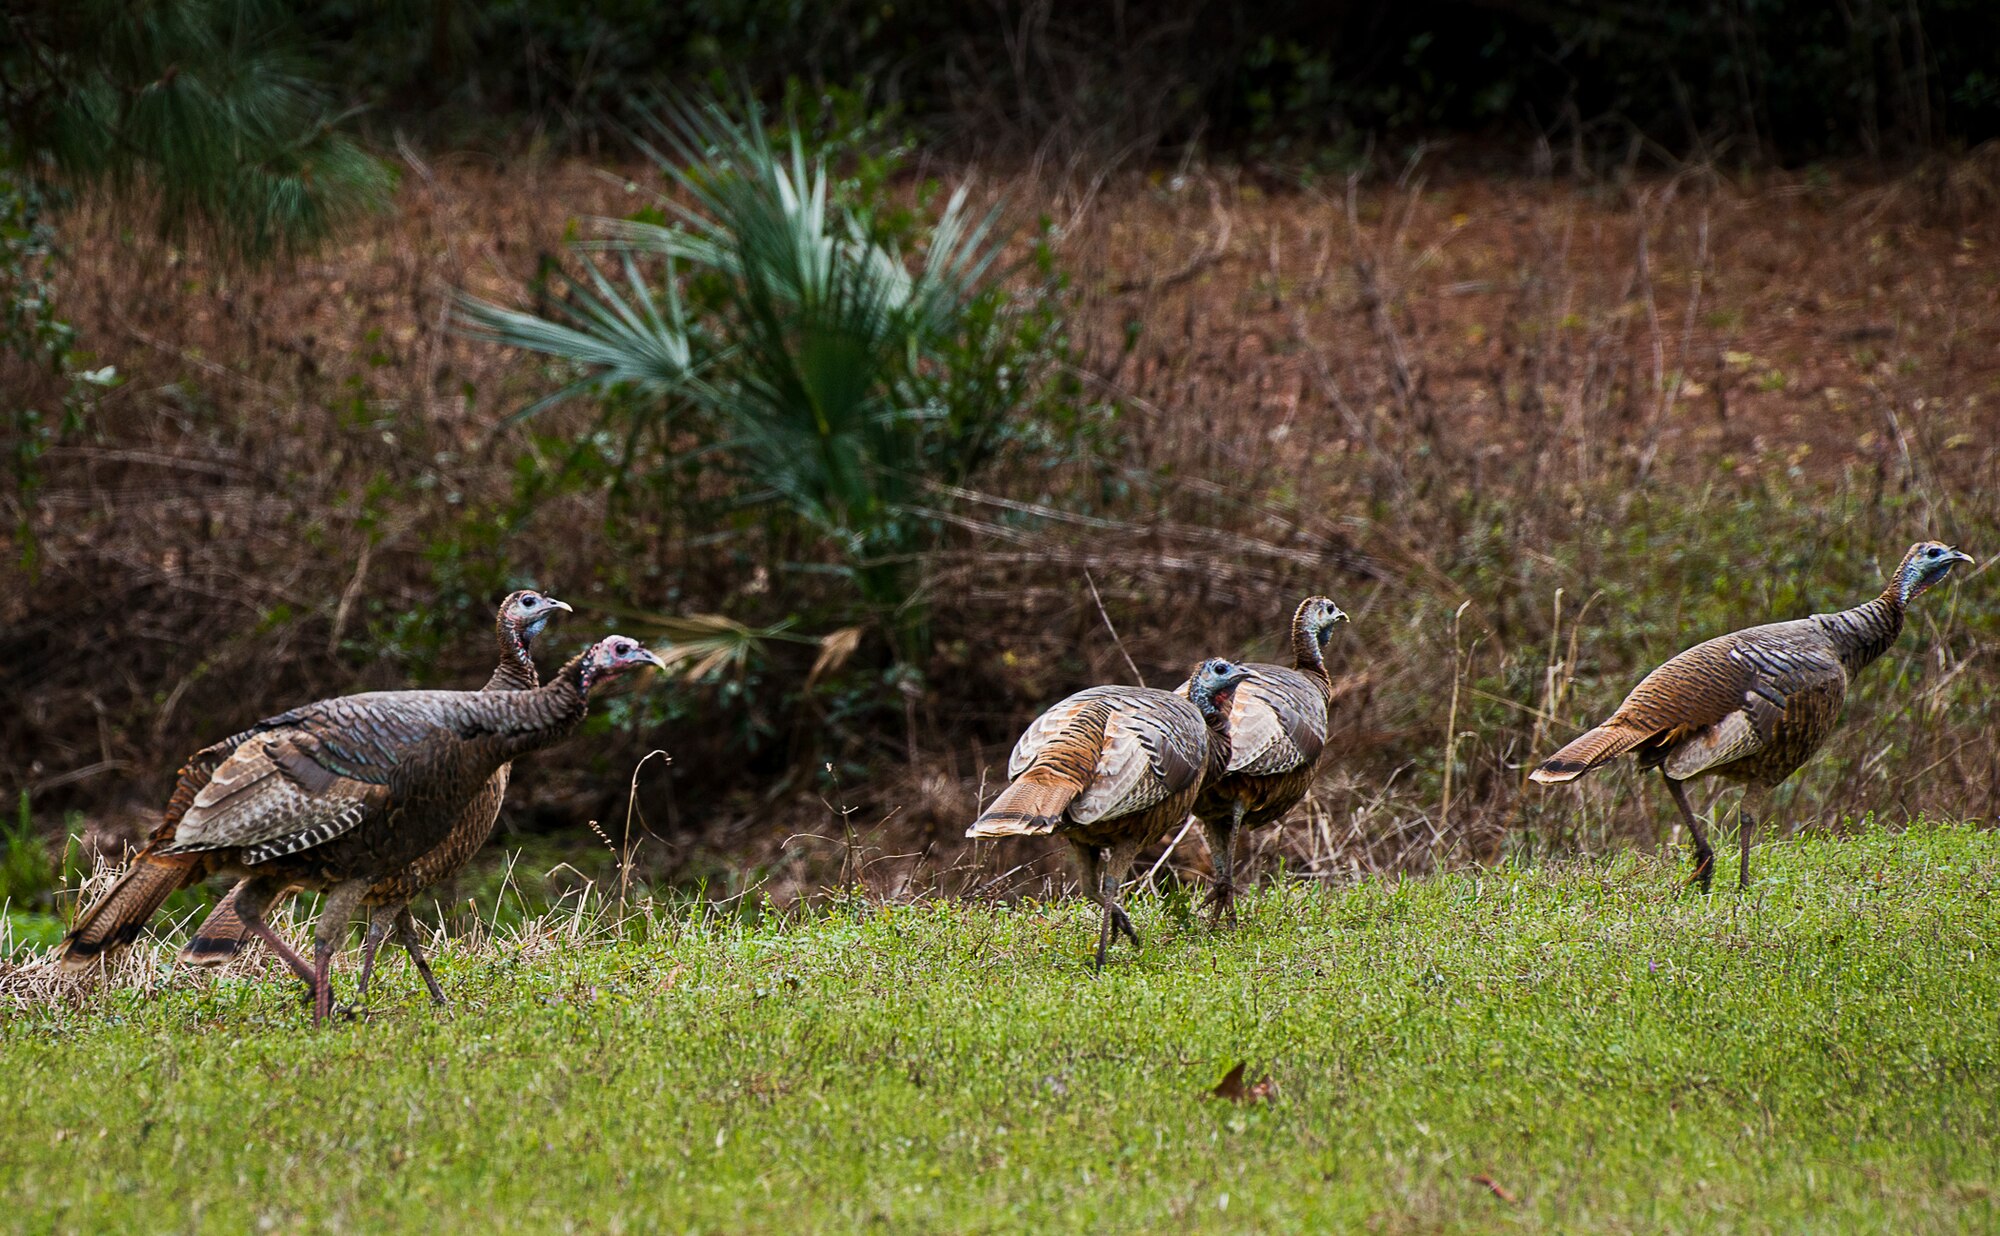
<point x="1319" y="616"/>
<point x="1212" y="678"/>
<point x="528" y="612"/>
<point x="1928" y="564"/>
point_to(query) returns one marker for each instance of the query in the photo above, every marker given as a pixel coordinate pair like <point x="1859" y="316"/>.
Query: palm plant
<point x="839" y="377"/>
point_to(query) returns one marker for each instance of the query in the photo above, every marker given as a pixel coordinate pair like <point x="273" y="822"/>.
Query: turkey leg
<point x="1222" y="855"/>
<point x="1089" y="873"/>
<point x="1117" y="865"/>
<point x="252" y="904"/>
<point x="328" y="932"/>
<point x="1704" y="856"/>
<point x="399" y="921"/>
<point x="379" y="925"/>
<point x="406" y="935"/>
<point x="1746" y="825"/>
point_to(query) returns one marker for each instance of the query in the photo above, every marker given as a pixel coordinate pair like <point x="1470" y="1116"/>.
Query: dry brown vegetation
<point x="1533" y="434"/>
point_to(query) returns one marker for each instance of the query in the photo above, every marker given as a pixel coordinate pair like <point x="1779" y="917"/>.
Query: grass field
<point x="1609" y="1051"/>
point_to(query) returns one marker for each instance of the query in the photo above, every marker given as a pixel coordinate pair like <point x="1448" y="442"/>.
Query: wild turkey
<point x="223" y="934"/>
<point x="1277" y="731"/>
<point x="1753" y="705"/>
<point x="337" y="795"/>
<point x="1111" y="769"/>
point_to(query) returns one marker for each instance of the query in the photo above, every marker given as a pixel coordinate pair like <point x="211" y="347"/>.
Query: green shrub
<point x="30" y="878"/>
<point x="29" y="875"/>
<point x="838" y="356"/>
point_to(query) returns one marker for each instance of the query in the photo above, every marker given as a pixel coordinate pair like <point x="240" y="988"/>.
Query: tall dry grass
<point x="1534" y="435"/>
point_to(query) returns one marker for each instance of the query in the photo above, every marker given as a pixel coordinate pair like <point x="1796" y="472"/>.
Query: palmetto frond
<point x="826" y="329"/>
<point x="697" y="645"/>
<point x="614" y="338"/>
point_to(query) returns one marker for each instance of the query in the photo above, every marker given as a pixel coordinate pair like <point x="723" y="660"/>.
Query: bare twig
<point x="627" y="848"/>
<point x="347" y="597"/>
<point x="1207" y="256"/>
<point x="1168" y="852"/>
<point x="1137" y="677"/>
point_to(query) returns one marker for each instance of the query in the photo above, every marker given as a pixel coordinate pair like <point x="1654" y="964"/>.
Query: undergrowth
<point x="1534" y="436"/>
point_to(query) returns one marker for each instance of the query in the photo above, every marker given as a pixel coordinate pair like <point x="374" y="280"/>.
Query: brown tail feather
<point x="221" y="936"/>
<point x="1587" y="751"/>
<point x="117" y="918"/>
<point x="1034" y="804"/>
<point x="1028" y="808"/>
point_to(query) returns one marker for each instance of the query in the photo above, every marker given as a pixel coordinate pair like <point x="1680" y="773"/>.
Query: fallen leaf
<point x="1231" y="1087"/>
<point x="1495" y="1188"/>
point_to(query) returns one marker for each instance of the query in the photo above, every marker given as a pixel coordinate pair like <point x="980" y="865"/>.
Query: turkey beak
<point x="1339" y="614"/>
<point x="561" y="605"/>
<point x="652" y="658"/>
<point x="1961" y="556"/>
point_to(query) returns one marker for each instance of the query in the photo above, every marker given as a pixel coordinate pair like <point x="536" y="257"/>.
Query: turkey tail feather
<point x="1028" y="808"/>
<point x="1587" y="751"/>
<point x="117" y="918"/>
<point x="221" y="936"/>
<point x="1061" y="770"/>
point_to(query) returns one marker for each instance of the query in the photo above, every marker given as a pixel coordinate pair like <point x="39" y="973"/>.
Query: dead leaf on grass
<point x="1231" y="1087"/>
<point x="1495" y="1188"/>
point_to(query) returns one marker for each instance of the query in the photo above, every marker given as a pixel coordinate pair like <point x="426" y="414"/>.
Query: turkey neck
<point x="1861" y="634"/>
<point x="1215" y="711"/>
<point x="1307" y="657"/>
<point x="515" y="670"/>
<point x="522" y="721"/>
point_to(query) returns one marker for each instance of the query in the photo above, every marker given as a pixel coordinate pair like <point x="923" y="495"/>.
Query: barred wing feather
<point x="276" y="795"/>
<point x="1788" y="681"/>
<point x="1152" y="752"/>
<point x="1043" y="729"/>
<point x="1154" y="747"/>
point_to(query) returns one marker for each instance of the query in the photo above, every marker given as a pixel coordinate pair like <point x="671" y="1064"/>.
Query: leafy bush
<point x="837" y="358"/>
<point x="28" y="875"/>
<point x="29" y="879"/>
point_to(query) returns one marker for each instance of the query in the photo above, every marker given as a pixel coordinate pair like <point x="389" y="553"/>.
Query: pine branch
<point x="202" y="103"/>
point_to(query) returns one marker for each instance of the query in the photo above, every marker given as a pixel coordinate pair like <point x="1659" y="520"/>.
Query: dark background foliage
<point x="1783" y="80"/>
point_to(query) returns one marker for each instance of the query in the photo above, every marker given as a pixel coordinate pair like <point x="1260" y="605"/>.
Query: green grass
<point x="1821" y="1053"/>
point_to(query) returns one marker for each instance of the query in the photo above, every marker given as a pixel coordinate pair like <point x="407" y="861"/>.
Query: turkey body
<point x="1111" y="769"/>
<point x="360" y="784"/>
<point x="1136" y="755"/>
<point x="1278" y="729"/>
<point x="336" y="795"/>
<point x="223" y="934"/>
<point x="1754" y="705"/>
